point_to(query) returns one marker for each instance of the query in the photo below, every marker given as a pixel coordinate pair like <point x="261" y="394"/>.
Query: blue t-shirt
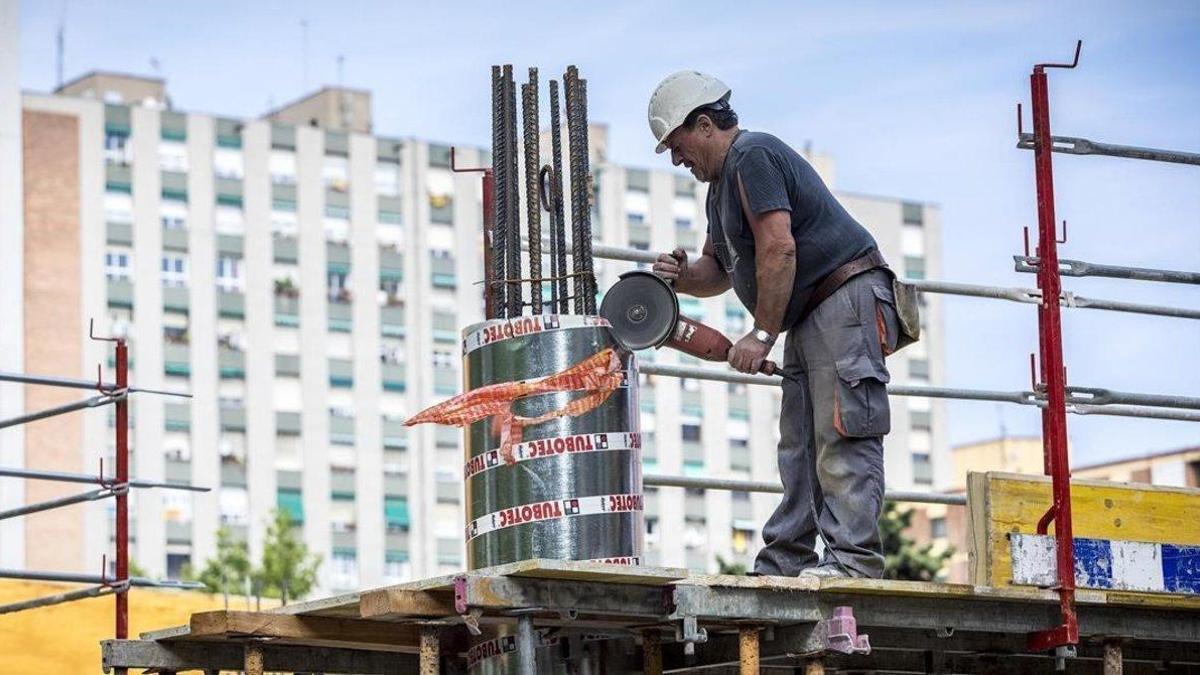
<point x="777" y="178"/>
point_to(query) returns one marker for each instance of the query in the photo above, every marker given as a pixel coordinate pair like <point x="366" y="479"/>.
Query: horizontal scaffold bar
<point x="1079" y="268"/>
<point x="696" y="482"/>
<point x="64" y="477"/>
<point x="1073" y="145"/>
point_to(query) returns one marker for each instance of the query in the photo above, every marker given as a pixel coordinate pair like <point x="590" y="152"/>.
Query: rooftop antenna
<point x="59" y="48"/>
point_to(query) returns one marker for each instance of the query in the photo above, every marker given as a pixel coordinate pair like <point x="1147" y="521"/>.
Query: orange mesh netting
<point x="599" y="375"/>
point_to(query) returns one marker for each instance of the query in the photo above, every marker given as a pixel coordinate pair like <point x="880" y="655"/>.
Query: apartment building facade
<point x="306" y="282"/>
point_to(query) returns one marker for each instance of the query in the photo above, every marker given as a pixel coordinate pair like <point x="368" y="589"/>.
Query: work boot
<point x="824" y="572"/>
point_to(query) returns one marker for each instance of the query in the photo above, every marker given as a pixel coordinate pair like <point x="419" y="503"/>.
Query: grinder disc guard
<point x="642" y="309"/>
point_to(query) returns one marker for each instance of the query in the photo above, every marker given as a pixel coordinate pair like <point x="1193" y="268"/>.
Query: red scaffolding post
<point x="1053" y="380"/>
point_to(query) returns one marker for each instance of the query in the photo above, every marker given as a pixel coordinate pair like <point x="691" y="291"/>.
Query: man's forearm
<point x="776" y="272"/>
<point x="705" y="278"/>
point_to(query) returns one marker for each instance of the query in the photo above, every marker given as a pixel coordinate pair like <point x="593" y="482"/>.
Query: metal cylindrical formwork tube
<point x="574" y="491"/>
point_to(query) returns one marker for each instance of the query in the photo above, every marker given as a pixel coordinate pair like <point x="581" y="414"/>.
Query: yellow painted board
<point x="1003" y="503"/>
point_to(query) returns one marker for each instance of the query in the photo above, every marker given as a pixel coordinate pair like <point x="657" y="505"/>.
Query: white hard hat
<point x="677" y="96"/>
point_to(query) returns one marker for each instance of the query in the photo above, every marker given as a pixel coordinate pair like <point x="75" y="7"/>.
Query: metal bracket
<point x="689" y="632"/>
<point x="839" y="633"/>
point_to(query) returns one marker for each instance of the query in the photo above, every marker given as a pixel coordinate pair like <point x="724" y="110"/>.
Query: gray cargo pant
<point x="831" y="426"/>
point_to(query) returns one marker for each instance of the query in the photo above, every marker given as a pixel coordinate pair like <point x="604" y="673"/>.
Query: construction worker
<point x="802" y="266"/>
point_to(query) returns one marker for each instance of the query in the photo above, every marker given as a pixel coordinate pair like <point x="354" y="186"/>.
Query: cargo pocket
<point x="887" y="323"/>
<point x="860" y="402"/>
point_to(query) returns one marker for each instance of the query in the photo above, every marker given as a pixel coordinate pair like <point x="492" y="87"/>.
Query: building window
<point x="117" y="149"/>
<point x="116" y="266"/>
<point x="689" y="432"/>
<point x="920" y="419"/>
<point x="173" y="156"/>
<point x="918" y="369"/>
<point x="173" y="215"/>
<point x="914" y="267"/>
<point x="229" y="274"/>
<point x="174" y="270"/>
<point x="443" y="359"/>
<point x="338" y="285"/>
<point x="922" y="469"/>
<point x="912" y="213"/>
<point x="387" y="179"/>
<point x="635" y="218"/>
<point x="230" y="219"/>
<point x="344" y="565"/>
<point x="284" y="222"/>
<point x="283" y="167"/>
<point x="227" y="163"/>
<point x="937" y="528"/>
<point x="118" y="208"/>
<point x="335" y="174"/>
<point x="683" y="223"/>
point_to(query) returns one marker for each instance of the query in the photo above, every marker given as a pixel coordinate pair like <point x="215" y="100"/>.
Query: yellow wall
<point x="65" y="639"/>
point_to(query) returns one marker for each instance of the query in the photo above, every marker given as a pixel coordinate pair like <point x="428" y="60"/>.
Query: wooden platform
<point x="627" y="602"/>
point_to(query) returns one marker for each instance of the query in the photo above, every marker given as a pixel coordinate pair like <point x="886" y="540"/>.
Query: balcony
<point x="449" y="492"/>
<point x="341" y="483"/>
<point x="341" y="373"/>
<point x="286" y="248"/>
<point x="287" y="310"/>
<point x="391" y="320"/>
<point x="231" y="363"/>
<point x="287" y="423"/>
<point x="120" y="293"/>
<point x="233" y="473"/>
<point x="175" y="239"/>
<point x="176" y="299"/>
<point x="118" y="178"/>
<point x="230" y="244"/>
<point x="693" y="451"/>
<point x="179" y="532"/>
<point x="341" y="315"/>
<point x="120" y="234"/>
<point x="233" y="419"/>
<point x="287" y="365"/>
<point x="395" y="435"/>
<point x="691" y="403"/>
<point x="177" y="471"/>
<point x="175" y="359"/>
<point x="341" y="430"/>
<point x="231" y="304"/>
<point x="395" y="485"/>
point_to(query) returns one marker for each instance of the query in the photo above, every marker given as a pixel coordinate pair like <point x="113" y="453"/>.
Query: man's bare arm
<point x="705" y="277"/>
<point x="702" y="278"/>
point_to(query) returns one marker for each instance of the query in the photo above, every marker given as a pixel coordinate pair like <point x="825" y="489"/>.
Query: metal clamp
<point x="839" y="633"/>
<point x="690" y="632"/>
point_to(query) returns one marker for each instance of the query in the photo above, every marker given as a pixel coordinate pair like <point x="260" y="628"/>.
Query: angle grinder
<point x="643" y="310"/>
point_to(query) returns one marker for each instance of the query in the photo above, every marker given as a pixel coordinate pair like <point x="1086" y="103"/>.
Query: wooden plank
<point x="389" y="604"/>
<point x="544" y="568"/>
<point x="300" y="628"/>
<point x="1003" y="503"/>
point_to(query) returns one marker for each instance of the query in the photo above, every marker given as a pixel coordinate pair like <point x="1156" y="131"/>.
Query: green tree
<point x="288" y="570"/>
<point x="227" y="572"/>
<point x="726" y="567"/>
<point x="903" y="559"/>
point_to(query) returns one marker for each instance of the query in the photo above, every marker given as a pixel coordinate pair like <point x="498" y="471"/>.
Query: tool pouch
<point x="908" y="311"/>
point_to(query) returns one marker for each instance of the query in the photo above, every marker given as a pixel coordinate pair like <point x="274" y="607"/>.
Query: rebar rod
<point x="585" y="209"/>
<point x="556" y="201"/>
<point x="93" y="402"/>
<point x="499" y="252"/>
<point x="736" y="485"/>
<point x="80" y="578"/>
<point x="533" y="207"/>
<point x="61" y="476"/>
<point x="515" y="292"/>
<point x="89" y="496"/>
<point x="546" y="197"/>
<point x="571" y="93"/>
<point x="1079" y="268"/>
<point x="1072" y="145"/>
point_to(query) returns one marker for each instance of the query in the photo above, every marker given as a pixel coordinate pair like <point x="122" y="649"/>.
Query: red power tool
<point x="644" y="312"/>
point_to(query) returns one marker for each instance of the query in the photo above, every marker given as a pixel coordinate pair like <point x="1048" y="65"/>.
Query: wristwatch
<point x="764" y="336"/>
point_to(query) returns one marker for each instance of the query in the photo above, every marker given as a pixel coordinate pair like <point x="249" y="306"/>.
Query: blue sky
<point x="912" y="99"/>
